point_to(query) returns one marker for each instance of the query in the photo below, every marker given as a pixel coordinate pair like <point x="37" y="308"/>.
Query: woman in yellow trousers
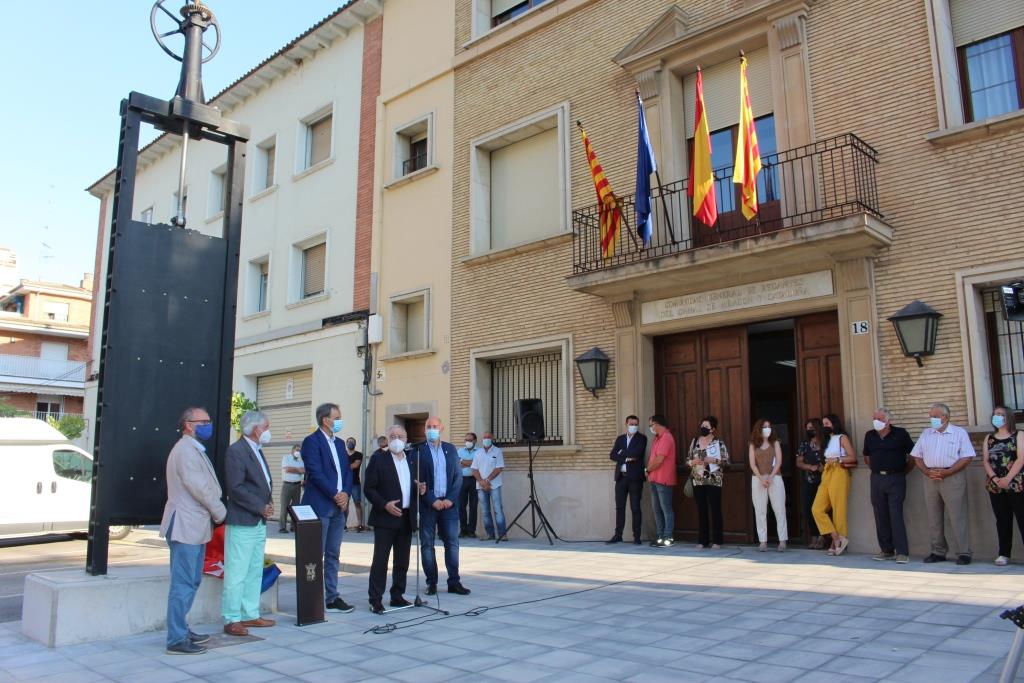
<point x="834" y="491"/>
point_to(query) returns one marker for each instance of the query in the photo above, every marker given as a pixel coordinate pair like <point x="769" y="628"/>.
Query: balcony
<point x="41" y="372"/>
<point x="819" y="201"/>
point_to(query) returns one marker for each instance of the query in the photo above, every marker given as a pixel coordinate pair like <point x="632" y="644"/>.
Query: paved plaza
<point x="590" y="612"/>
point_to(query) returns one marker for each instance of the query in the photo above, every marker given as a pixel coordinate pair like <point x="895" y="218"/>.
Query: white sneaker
<point x="1002" y="561"/>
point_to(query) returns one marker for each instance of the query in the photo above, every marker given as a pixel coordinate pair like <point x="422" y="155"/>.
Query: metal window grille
<point x="1006" y="352"/>
<point x="534" y="376"/>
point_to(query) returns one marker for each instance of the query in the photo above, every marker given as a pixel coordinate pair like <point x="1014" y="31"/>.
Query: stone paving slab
<point x="593" y="613"/>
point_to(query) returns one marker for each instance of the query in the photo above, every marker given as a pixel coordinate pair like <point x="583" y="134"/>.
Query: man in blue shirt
<point x="467" y="496"/>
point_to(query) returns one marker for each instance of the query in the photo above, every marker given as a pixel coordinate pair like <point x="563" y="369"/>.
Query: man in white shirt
<point x="291" y="483"/>
<point x="942" y="453"/>
<point x="488" y="464"/>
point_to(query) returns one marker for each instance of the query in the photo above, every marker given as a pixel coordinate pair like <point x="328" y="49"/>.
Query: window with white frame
<point x="217" y="199"/>
<point x="309" y="269"/>
<point x="413" y="143"/>
<point x="409" y="323"/>
<point x="488" y="14"/>
<point x="263" y="168"/>
<point x="520" y="187"/>
<point x="56" y="311"/>
<point x="1005" y="350"/>
<point x="258" y="291"/>
<point x="316" y="134"/>
<point x="147" y="216"/>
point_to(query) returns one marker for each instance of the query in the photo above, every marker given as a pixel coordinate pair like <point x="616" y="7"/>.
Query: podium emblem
<point x="311" y="572"/>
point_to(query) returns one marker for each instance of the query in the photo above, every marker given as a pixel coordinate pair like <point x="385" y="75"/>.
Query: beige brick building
<point x="890" y="133"/>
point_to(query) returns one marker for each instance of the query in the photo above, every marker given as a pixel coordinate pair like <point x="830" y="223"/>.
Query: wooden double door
<point x="709" y="373"/>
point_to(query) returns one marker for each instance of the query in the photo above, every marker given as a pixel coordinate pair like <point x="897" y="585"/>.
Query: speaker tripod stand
<point x="538" y="520"/>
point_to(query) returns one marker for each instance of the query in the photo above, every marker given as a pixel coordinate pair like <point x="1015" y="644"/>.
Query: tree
<point x="7" y="410"/>
<point x="70" y="426"/>
<point x="240" y="405"/>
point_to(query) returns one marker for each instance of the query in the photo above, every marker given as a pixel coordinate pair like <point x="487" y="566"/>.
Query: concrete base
<point x="67" y="607"/>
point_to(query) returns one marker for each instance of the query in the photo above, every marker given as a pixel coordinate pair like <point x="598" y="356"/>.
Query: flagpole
<point x="661" y="192"/>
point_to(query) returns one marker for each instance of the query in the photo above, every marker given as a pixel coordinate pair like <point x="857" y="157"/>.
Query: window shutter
<point x="320" y="140"/>
<point x="271" y="154"/>
<point x="314" y="261"/>
<point x="525" y="200"/>
<point x="501" y="6"/>
<point x="974" y="20"/>
<point x="722" y="91"/>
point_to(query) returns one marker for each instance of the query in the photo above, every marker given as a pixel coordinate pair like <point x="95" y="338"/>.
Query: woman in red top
<point x="661" y="472"/>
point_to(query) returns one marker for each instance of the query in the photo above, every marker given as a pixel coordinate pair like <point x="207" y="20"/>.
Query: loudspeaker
<point x="529" y="414"/>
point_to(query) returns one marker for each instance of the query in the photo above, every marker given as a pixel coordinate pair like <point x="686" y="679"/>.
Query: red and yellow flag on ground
<point x="609" y="210"/>
<point x="748" y="157"/>
<point x="701" y="187"/>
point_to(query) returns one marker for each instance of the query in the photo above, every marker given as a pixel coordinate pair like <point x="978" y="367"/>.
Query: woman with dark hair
<point x="708" y="455"/>
<point x="765" y="455"/>
<point x="661" y="473"/>
<point x="1003" y="460"/>
<point x="809" y="460"/>
<point x="834" y="491"/>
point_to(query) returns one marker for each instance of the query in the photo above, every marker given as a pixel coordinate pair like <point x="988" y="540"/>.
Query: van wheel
<point x="118" y="533"/>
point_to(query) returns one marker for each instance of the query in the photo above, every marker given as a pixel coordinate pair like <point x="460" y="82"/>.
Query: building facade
<point x="881" y="166"/>
<point x="304" y="271"/>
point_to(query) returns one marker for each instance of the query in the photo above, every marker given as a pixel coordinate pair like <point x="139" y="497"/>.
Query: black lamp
<point x="916" y="326"/>
<point x="593" y="367"/>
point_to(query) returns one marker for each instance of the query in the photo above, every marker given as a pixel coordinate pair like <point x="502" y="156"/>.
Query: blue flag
<point x="645" y="166"/>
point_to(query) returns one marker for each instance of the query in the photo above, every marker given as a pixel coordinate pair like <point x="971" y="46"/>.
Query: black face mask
<point x="810" y="434"/>
<point x="704" y="431"/>
<point x="827" y="431"/>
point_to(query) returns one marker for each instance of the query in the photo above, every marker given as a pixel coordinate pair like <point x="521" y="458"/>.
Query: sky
<point x="60" y="109"/>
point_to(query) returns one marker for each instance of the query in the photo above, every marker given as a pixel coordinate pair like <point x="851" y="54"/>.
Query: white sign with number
<point x="860" y="327"/>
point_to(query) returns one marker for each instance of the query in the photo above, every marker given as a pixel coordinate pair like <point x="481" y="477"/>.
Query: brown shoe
<point x="236" y="629"/>
<point x="259" y="622"/>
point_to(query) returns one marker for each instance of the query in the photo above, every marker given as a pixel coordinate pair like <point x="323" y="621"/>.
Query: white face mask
<point x="396" y="445"/>
<point x="265" y="437"/>
<point x="878" y="425"/>
<point x="632" y="429"/>
<point x="470" y="445"/>
<point x="652" y="430"/>
<point x="766" y="432"/>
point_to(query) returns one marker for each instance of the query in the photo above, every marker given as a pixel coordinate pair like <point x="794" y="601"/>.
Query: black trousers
<point x="807" y="493"/>
<point x="1006" y="506"/>
<point x="709" y="509"/>
<point x="384" y="541"/>
<point x="633" y="489"/>
<point x="468" y="505"/>
<point x="888" y="491"/>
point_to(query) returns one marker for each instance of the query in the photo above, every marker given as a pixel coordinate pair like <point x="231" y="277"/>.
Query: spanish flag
<point x="748" y="157"/>
<point x="701" y="187"/>
<point x="609" y="209"/>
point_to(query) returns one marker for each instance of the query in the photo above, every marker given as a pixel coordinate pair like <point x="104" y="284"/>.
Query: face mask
<point x="470" y="445"/>
<point x="998" y="421"/>
<point x="396" y="445"/>
<point x="632" y="429"/>
<point x="652" y="430"/>
<point x="204" y="432"/>
<point x="936" y="422"/>
<point x="296" y="454"/>
<point x="878" y="425"/>
<point x="488" y="443"/>
<point x="766" y="432"/>
<point x="433" y="434"/>
<point x="827" y="431"/>
<point x="810" y="434"/>
<point x="265" y="437"/>
<point x="351" y="445"/>
<point x="704" y="431"/>
<point x="338" y="425"/>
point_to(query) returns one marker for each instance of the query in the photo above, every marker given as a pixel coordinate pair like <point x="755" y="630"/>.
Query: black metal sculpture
<point x="169" y="308"/>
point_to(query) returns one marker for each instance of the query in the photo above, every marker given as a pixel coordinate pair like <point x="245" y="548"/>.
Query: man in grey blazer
<point x="248" y="488"/>
<point x="193" y="502"/>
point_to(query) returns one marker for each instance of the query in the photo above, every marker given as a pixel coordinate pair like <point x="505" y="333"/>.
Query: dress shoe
<point x="198" y="638"/>
<point x="613" y="539"/>
<point x="963" y="559"/>
<point x="458" y="589"/>
<point x="282" y="531"/>
<point x="236" y="629"/>
<point x="431" y="589"/>
<point x="400" y="602"/>
<point x="185" y="647"/>
<point x="258" y="622"/>
<point x="931" y="559"/>
<point x="637" y="541"/>
<point x="376" y="606"/>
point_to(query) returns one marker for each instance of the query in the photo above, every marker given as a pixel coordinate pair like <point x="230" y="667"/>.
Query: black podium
<point x="309" y="566"/>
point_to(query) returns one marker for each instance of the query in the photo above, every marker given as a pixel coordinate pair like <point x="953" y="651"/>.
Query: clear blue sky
<point x="60" y="109"/>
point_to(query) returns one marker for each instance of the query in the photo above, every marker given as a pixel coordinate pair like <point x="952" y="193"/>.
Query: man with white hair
<point x="247" y="486"/>
<point x="886" y="451"/>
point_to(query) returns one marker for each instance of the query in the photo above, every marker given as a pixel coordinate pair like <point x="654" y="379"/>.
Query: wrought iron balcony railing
<point x="824" y="180"/>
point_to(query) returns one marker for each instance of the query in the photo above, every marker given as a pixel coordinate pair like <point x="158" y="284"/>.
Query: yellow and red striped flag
<point x="748" y="157"/>
<point x="609" y="210"/>
<point x="701" y="187"/>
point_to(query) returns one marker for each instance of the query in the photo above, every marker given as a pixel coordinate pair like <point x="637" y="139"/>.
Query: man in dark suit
<point x="328" y="484"/>
<point x="440" y="470"/>
<point x="247" y="486"/>
<point x="388" y="484"/>
<point x="628" y="454"/>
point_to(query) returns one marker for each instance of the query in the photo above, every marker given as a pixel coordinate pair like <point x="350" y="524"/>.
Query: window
<point x="528" y="376"/>
<point x="263" y="172"/>
<point x="992" y="75"/>
<point x="409" y="324"/>
<point x="264" y="280"/>
<point x="1005" y="352"/>
<point x="314" y="265"/>
<point x="58" y="312"/>
<point x="507" y="10"/>
<point x="53" y="350"/>
<point x="218" y="191"/>
<point x="258" y="288"/>
<point x="413" y="146"/>
<point x="48" y="405"/>
<point x="72" y="465"/>
<point x="317" y="142"/>
<point x="147" y="216"/>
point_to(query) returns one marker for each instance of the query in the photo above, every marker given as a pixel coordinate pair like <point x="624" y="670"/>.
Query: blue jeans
<point x="331" y="530"/>
<point x="186" y="573"/>
<point x="487" y="498"/>
<point x="664" y="518"/>
<point x="446" y="525"/>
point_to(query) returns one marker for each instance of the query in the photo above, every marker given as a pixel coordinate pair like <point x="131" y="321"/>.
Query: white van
<point x="45" y="481"/>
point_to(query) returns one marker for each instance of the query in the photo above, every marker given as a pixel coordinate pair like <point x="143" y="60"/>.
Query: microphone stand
<point x="420" y="602"/>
